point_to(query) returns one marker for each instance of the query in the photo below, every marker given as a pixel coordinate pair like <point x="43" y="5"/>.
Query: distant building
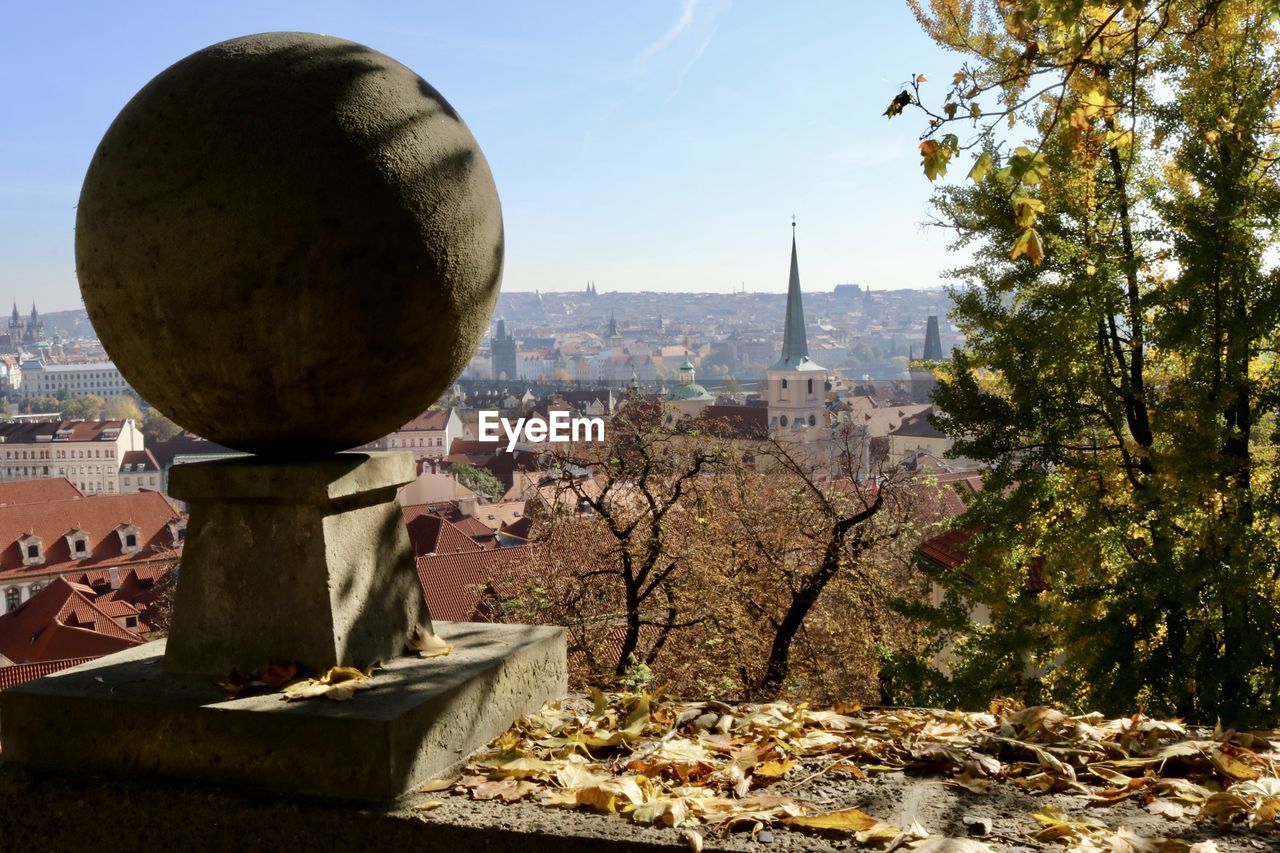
<point x="25" y="333"/>
<point x="932" y="340"/>
<point x="86" y="535"/>
<point x="10" y="373"/>
<point x="88" y="453"/>
<point x="503" y="353"/>
<point x="797" y="384"/>
<point x="100" y="378"/>
<point x="62" y="622"/>
<point x="687" y="398"/>
<point x="139" y="470"/>
<point x="916" y="435"/>
<point x="429" y="435"/>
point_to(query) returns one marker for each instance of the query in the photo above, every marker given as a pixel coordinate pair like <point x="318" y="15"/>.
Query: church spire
<point x="613" y="326"/>
<point x="795" y="346"/>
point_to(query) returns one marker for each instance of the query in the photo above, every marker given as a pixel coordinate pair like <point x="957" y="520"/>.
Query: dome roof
<point x="692" y="391"/>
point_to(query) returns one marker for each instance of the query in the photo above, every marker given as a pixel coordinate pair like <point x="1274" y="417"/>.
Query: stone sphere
<point x="288" y="243"/>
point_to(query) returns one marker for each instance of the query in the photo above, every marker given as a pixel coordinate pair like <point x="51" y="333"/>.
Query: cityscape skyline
<point x="657" y="148"/>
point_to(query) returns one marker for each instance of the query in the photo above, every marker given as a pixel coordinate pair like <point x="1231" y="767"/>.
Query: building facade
<point x="70" y="536"/>
<point x="87" y="453"/>
<point x="797" y="384"/>
<point x="503" y="353"/>
<point x="100" y="378"/>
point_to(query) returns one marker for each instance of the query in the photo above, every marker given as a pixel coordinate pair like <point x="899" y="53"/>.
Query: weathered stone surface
<point x="289" y="243"/>
<point x="125" y="714"/>
<point x="304" y="562"/>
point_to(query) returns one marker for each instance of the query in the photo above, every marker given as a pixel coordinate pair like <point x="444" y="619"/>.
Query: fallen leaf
<point x="507" y="790"/>
<point x="338" y="683"/>
<point x="849" y="820"/>
<point x="427" y="643"/>
<point x="427" y="805"/>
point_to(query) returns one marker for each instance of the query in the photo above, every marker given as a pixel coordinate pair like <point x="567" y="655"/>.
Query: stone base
<point x="126" y="715"/>
<point x="305" y="561"/>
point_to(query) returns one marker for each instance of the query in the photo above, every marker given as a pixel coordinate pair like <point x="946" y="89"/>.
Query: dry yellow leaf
<point x="427" y="643"/>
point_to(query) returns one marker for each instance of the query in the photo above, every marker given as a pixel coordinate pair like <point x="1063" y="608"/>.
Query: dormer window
<point x="128" y="534"/>
<point x="32" y="548"/>
<point x="78" y="544"/>
<point x="178" y="530"/>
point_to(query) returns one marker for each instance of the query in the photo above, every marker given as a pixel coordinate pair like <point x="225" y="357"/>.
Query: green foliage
<point x="82" y="407"/>
<point x="123" y="407"/>
<point x="1121" y="388"/>
<point x="478" y="480"/>
<point x="636" y="676"/>
<point x="156" y="427"/>
<point x="40" y="405"/>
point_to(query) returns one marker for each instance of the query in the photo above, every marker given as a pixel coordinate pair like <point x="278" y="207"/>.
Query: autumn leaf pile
<point x="734" y="767"/>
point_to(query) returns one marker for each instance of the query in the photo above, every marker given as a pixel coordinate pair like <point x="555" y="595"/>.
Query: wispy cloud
<point x="662" y="42"/>
<point x="688" y="66"/>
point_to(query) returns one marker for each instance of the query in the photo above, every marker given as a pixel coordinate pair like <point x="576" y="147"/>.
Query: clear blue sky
<point x="655" y="145"/>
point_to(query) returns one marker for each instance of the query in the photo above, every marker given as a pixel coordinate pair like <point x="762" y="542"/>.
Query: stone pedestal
<point x="126" y="716"/>
<point x="293" y="562"/>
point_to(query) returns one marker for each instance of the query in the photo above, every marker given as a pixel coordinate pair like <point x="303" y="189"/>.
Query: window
<point x="812" y="420"/>
<point x="131" y="541"/>
<point x="810" y="386"/>
<point x="11" y="598"/>
<point x="33" y="551"/>
<point x="784" y="383"/>
<point x="783" y="420"/>
<point x="81" y="546"/>
<point x="131" y="621"/>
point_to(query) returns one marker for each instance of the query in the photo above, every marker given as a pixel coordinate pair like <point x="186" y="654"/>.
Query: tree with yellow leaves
<point x="1121" y="307"/>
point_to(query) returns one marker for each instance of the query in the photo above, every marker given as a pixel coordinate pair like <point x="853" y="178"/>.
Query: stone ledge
<point x="125" y="715"/>
<point x="59" y="810"/>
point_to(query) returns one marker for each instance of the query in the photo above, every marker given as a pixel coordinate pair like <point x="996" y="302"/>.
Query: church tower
<point x="35" y="328"/>
<point x="797" y="384"/>
<point x="612" y="335"/>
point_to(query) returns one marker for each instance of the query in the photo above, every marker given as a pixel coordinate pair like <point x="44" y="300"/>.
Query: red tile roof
<point x="29" y="432"/>
<point x="21" y="673"/>
<point x="185" y="444"/>
<point x="60" y="622"/>
<point x="140" y="461"/>
<point x="947" y="549"/>
<point x="432" y="419"/>
<point x="918" y="426"/>
<point x="453" y="582"/>
<point x="470" y="446"/>
<point x="99" y="516"/>
<point x="431" y="534"/>
<point x="738" y="421"/>
<point x="521" y="527"/>
<point x="38" y="491"/>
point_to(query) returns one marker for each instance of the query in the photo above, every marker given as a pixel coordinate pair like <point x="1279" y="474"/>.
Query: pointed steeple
<point x="613" y="326"/>
<point x="16" y="319"/>
<point x="795" y="345"/>
<point x="932" y="340"/>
